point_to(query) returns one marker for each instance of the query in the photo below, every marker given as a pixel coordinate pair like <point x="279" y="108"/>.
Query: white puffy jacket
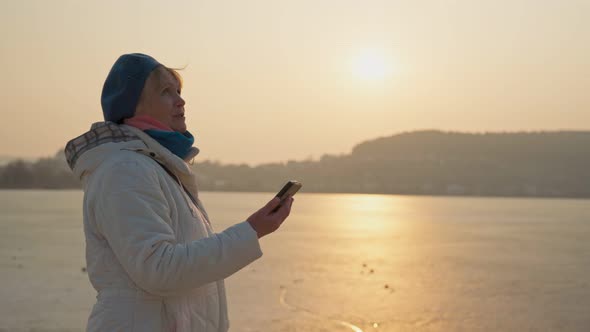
<point x="151" y="253"/>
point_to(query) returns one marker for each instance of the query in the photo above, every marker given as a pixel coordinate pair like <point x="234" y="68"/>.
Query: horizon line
<point x="9" y="158"/>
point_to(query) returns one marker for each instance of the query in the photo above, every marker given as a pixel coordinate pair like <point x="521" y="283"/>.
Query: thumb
<point x="272" y="204"/>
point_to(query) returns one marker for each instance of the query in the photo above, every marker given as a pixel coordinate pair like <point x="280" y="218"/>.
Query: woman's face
<point x="160" y="98"/>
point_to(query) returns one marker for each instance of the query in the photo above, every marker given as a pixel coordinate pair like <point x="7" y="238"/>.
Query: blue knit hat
<point x="123" y="86"/>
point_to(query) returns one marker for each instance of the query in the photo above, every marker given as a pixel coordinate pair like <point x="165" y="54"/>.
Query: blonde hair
<point x="158" y="74"/>
<point x="173" y="71"/>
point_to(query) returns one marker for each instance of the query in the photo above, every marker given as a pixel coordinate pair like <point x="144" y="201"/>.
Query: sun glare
<point x="370" y="65"/>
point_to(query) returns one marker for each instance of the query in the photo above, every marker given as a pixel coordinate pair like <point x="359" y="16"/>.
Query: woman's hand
<point x="264" y="221"/>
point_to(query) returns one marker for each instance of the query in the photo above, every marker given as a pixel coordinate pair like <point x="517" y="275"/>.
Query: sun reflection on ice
<point x="372" y="214"/>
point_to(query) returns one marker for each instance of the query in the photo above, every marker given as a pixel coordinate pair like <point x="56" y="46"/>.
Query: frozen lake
<point x="340" y="263"/>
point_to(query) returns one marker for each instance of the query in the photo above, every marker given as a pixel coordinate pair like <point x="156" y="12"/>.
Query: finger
<point x="285" y="208"/>
<point x="290" y="203"/>
<point x="273" y="203"/>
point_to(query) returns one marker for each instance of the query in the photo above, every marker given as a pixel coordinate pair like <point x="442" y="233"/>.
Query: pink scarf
<point x="145" y="122"/>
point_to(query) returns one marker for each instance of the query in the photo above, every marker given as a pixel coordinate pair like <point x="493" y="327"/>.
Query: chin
<point x="180" y="129"/>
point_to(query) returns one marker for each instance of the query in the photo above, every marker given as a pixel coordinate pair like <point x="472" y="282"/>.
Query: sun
<point x="370" y="65"/>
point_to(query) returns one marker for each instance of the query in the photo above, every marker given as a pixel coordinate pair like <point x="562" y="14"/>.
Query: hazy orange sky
<point x="273" y="80"/>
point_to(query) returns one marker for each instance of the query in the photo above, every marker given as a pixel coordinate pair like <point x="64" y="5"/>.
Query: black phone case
<point x="284" y="189"/>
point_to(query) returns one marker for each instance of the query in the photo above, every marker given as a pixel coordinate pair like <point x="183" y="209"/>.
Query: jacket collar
<point x="87" y="151"/>
<point x="162" y="155"/>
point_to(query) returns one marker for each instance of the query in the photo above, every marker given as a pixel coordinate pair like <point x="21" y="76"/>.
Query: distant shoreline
<point x="338" y="193"/>
<point x="420" y="163"/>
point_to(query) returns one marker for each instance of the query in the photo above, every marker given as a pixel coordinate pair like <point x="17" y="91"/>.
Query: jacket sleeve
<point x="133" y="215"/>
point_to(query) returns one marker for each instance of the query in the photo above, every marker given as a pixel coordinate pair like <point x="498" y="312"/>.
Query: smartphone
<point x="289" y="189"/>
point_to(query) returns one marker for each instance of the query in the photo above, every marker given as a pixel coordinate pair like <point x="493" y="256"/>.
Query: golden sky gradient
<point x="269" y="80"/>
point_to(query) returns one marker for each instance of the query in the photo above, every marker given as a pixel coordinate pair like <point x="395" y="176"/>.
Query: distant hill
<point x="536" y="164"/>
<point x="44" y="173"/>
<point x="7" y="159"/>
<point x="547" y="164"/>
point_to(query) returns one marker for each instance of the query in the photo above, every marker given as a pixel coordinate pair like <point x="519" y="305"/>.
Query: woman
<point x="151" y="252"/>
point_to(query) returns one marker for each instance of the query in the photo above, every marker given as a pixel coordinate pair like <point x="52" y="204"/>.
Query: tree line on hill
<point x="535" y="164"/>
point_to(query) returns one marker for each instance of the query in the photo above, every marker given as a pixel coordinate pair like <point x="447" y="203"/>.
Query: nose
<point x="180" y="102"/>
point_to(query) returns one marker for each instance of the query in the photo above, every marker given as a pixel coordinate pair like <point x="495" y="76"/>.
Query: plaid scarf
<point x="99" y="133"/>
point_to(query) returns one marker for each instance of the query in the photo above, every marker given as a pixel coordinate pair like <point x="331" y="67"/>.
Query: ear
<point x="149" y="87"/>
<point x="139" y="108"/>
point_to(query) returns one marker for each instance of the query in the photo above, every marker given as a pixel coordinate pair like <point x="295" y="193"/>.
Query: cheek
<point x="169" y="102"/>
<point x="153" y="105"/>
<point x="164" y="106"/>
